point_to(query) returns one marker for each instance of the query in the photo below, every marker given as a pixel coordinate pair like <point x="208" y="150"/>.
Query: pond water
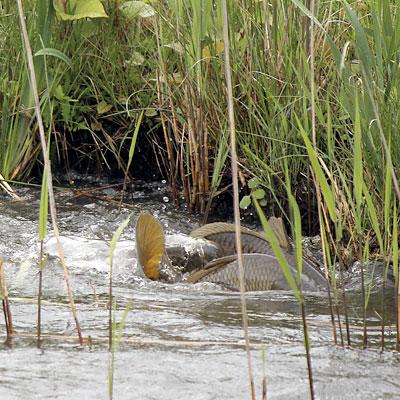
<point x="179" y="341"/>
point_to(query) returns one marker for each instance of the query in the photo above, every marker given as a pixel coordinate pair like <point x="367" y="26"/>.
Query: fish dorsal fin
<point x="212" y="266"/>
<point x="279" y="229"/>
<point x="222" y="227"/>
<point x="150" y="244"/>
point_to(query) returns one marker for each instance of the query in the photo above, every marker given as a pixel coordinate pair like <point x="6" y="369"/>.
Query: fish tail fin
<point x="150" y="244"/>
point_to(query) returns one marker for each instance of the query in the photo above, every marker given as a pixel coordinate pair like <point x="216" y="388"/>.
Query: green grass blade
<point x="320" y="176"/>
<point x="277" y="251"/>
<point x="117" y="234"/>
<point x="44" y="206"/>
<point x="358" y="160"/>
<point x="48" y="51"/>
<point x="388" y="197"/>
<point x="134" y="139"/>
<point x="373" y="216"/>
<point x="297" y="235"/>
<point x="395" y="245"/>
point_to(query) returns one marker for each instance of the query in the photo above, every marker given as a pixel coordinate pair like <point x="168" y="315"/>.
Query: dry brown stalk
<point x="47" y="166"/>
<point x="5" y="302"/>
<point x="8" y="189"/>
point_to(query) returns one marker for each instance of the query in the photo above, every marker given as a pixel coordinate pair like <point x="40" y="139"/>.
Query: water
<point x="179" y="341"/>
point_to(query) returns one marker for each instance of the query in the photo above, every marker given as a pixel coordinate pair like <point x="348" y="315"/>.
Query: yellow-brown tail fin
<point x="150" y="244"/>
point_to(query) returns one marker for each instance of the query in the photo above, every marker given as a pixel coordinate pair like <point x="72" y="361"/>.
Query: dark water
<point x="179" y="341"/>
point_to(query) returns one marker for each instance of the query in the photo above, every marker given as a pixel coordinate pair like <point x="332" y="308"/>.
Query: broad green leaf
<point x="135" y="59"/>
<point x="103" y="107"/>
<point x="151" y="112"/>
<point x="48" y="51"/>
<point x="258" y="194"/>
<point x="245" y="202"/>
<point x="78" y="9"/>
<point x="176" y="46"/>
<point x="253" y="183"/>
<point x="263" y="202"/>
<point x="59" y="94"/>
<point x="133" y="9"/>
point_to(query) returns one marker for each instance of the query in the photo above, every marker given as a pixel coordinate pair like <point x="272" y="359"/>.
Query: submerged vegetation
<point x="130" y="88"/>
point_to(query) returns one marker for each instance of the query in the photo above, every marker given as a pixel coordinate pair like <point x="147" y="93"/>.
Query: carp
<point x="216" y="259"/>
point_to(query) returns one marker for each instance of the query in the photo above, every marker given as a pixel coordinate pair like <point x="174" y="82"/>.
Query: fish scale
<point x="261" y="272"/>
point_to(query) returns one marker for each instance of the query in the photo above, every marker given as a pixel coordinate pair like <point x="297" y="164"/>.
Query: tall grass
<point x="235" y="184"/>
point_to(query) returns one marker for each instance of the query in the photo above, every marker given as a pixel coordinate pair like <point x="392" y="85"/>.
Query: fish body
<point x="261" y="272"/>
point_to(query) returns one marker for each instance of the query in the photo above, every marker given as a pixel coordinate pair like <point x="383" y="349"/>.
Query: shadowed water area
<point x="180" y="340"/>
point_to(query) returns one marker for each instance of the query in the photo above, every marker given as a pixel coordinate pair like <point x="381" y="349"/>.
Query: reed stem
<point x="339" y="325"/>
<point x="39" y="311"/>
<point x="364" y="306"/>
<point x="383" y="304"/>
<point x="47" y="166"/>
<point x="307" y="347"/>
<point x="397" y="296"/>
<point x="5" y="303"/>
<point x="235" y="177"/>
<point x="346" y="313"/>
<point x="314" y="142"/>
<point x="110" y="305"/>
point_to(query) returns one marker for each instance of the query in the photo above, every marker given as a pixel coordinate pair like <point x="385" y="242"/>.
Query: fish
<point x="217" y="260"/>
<point x="261" y="272"/>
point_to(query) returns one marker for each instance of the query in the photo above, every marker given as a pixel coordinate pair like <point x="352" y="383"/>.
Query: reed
<point x="235" y="178"/>
<point x="114" y="330"/>
<point x="113" y="244"/>
<point x="5" y="304"/>
<point x="294" y="282"/>
<point x="47" y="172"/>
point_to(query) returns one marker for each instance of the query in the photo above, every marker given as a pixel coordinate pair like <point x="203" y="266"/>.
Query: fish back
<point x="224" y="235"/>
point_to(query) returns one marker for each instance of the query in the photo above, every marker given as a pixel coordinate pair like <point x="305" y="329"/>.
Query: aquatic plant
<point x="115" y="330"/>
